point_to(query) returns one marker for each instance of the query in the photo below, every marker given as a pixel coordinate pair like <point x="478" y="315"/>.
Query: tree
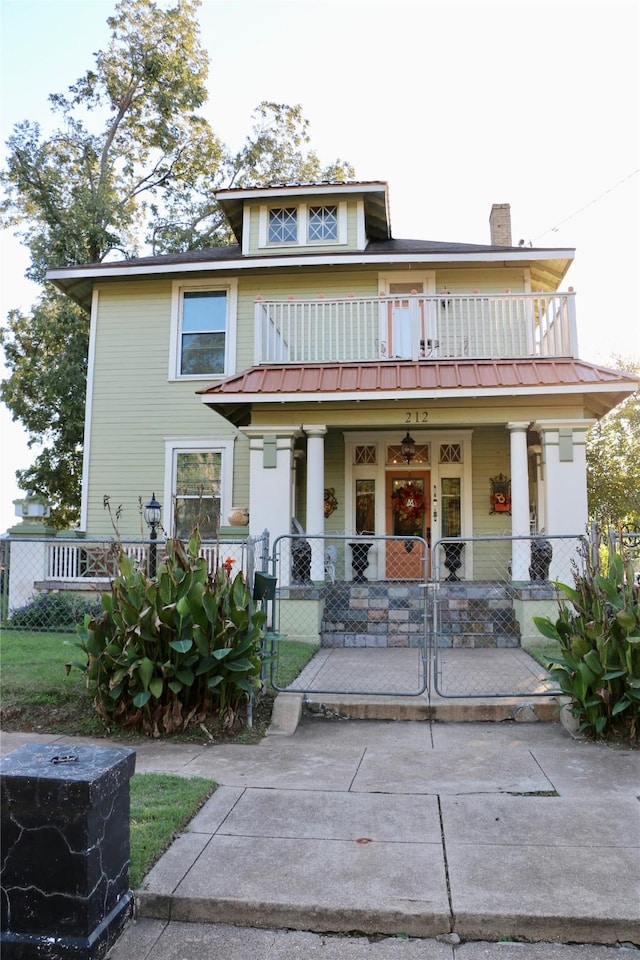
<point x="47" y="350"/>
<point x="613" y="459"/>
<point x="130" y="161"/>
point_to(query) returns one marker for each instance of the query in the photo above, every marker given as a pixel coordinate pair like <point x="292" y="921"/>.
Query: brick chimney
<point x="500" y="223"/>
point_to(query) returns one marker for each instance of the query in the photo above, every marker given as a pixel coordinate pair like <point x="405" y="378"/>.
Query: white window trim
<point x="175" y="353"/>
<point x="302" y="238"/>
<point x="172" y="447"/>
<point x="426" y="277"/>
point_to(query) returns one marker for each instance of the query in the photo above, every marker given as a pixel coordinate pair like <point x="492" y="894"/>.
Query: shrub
<point x="54" y="611"/>
<point x="166" y="652"/>
<point x="599" y="636"/>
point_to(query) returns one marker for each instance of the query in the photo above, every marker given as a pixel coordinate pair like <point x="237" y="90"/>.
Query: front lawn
<point x="161" y="807"/>
<point x="38" y="695"/>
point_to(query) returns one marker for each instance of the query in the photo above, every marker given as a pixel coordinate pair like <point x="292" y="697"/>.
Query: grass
<point x="543" y="652"/>
<point x="161" y="806"/>
<point x="291" y="658"/>
<point x="38" y="695"/>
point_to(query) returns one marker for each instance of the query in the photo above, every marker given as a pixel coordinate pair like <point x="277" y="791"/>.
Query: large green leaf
<point x="181" y="646"/>
<point x="145" y="671"/>
<point x="626" y="620"/>
<point x="240" y="665"/>
<point x="141" y="698"/>
<point x="546" y="628"/>
<point x="593" y="662"/>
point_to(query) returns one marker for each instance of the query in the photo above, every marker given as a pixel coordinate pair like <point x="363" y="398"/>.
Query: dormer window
<point x="302" y="225"/>
<point x="283" y="225"/>
<point x="323" y="223"/>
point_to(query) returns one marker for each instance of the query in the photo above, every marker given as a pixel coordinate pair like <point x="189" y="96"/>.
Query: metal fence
<point x="50" y="583"/>
<point x="484" y="641"/>
<point x="369" y="631"/>
<point x="388" y="616"/>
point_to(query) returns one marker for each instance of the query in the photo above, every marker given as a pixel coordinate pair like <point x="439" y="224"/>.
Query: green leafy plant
<point x="598" y="666"/>
<point x="164" y="653"/>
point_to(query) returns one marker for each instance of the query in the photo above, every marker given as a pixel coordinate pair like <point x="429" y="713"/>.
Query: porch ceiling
<point x="235" y="396"/>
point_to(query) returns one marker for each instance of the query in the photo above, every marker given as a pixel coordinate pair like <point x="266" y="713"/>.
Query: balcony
<point x="416" y="327"/>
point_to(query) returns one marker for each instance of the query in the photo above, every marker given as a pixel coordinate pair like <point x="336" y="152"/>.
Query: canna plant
<point x="165" y="653"/>
<point x="598" y="631"/>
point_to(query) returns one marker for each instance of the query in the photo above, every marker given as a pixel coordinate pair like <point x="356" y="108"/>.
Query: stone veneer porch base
<point x="470" y="615"/>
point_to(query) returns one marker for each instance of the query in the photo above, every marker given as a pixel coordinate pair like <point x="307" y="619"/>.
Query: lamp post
<point x="152" y="514"/>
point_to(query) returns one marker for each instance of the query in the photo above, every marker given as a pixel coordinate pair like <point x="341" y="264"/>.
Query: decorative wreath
<point x="330" y="501"/>
<point x="408" y="502"/>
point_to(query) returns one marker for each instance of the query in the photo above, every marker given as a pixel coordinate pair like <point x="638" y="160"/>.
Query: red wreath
<point x="408" y="502"/>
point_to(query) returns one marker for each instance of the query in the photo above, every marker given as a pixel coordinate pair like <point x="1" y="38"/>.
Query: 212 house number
<point x="416" y="416"/>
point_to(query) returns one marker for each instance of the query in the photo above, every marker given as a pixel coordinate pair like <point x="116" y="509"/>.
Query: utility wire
<point x="590" y="204"/>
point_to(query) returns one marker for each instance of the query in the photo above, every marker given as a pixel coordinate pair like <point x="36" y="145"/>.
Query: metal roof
<point x="313" y="382"/>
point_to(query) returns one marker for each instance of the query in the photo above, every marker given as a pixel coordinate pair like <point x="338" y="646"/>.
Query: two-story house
<point x="321" y="369"/>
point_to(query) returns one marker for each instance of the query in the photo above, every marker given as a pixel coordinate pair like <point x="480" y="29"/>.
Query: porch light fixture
<point x="152" y="515"/>
<point x="408" y="448"/>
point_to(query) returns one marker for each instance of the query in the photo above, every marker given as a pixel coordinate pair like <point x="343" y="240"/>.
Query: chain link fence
<point x="486" y="592"/>
<point x="392" y="616"/>
<point x="363" y="615"/>
<point x="49" y="584"/>
<point x="361" y="605"/>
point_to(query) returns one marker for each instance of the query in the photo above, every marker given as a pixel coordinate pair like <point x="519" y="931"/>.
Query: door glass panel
<point x="365" y="506"/>
<point x="451" y="526"/>
<point x="400" y="318"/>
<point x="408" y="501"/>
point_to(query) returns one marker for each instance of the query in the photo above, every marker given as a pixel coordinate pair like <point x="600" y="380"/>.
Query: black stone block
<point x="65" y="850"/>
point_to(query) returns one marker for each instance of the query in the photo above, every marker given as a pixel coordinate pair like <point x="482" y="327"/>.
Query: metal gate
<point x="346" y="619"/>
<point x="486" y="592"/>
<point x="346" y="610"/>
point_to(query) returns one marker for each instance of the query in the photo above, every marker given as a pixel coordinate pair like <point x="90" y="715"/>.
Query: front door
<point x="407" y="514"/>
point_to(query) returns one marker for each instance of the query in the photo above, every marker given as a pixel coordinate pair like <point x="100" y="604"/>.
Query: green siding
<point x="135" y="407"/>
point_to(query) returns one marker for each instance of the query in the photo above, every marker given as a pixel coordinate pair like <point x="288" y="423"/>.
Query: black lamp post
<point x="152" y="515"/>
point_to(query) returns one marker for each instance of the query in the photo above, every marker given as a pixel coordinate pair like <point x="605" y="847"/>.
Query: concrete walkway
<point x="421" y="829"/>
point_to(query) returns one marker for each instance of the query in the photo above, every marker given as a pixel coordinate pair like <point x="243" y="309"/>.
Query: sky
<point x="535" y="103"/>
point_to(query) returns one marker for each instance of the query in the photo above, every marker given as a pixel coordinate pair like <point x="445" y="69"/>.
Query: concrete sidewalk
<point x="484" y="831"/>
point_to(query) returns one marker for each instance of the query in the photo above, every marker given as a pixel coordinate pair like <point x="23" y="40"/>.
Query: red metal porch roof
<point x="271" y="380"/>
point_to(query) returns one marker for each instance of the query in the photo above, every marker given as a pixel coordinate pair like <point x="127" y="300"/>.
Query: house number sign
<point x="416" y="416"/>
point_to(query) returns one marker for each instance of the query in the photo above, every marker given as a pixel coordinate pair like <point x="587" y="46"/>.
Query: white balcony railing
<point x="415" y="327"/>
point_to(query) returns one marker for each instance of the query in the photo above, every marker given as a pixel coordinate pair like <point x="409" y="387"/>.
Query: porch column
<point x="270" y="488"/>
<point x="315" y="496"/>
<point x="564" y="461"/>
<point x="519" y="499"/>
<point x="564" y="457"/>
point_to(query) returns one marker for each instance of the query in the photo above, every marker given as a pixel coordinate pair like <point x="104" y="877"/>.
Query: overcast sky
<point x="456" y="105"/>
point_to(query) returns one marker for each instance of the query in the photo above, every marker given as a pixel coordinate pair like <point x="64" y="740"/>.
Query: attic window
<point x="323" y="223"/>
<point x="283" y="225"/>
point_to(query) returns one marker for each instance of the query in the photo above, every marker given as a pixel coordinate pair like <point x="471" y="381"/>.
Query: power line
<point x="590" y="204"/>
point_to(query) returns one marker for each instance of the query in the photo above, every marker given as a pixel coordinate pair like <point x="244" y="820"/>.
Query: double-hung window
<point x="203" y="337"/>
<point x="198" y="485"/>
